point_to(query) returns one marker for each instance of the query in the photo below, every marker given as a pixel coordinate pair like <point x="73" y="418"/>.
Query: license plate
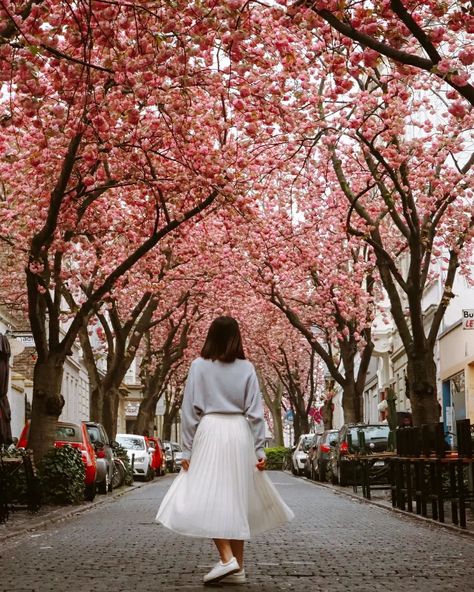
<point x="379" y="463"/>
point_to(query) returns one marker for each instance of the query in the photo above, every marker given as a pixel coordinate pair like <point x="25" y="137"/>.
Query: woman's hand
<point x="185" y="464"/>
<point x="261" y="464"/>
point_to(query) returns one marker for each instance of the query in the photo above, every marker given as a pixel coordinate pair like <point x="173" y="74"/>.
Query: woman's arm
<point x="254" y="413"/>
<point x="190" y="414"/>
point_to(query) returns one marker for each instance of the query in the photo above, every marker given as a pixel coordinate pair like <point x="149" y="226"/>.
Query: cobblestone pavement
<point x="334" y="544"/>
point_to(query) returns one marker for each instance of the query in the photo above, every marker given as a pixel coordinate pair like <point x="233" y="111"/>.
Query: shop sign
<point x="131" y="409"/>
<point x="25" y="338"/>
<point x="468" y="318"/>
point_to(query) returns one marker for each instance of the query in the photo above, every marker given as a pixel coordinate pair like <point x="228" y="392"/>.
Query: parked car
<point x="104" y="455"/>
<point x="298" y="458"/>
<point x="342" y="466"/>
<point x="308" y="465"/>
<point x="174" y="455"/>
<point x="138" y="453"/>
<point x="169" y="457"/>
<point x="74" y="435"/>
<point x="320" y="458"/>
<point x="158" y="460"/>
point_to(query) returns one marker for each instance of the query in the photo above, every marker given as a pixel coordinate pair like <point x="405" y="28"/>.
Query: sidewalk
<point x="382" y="499"/>
<point x="22" y="521"/>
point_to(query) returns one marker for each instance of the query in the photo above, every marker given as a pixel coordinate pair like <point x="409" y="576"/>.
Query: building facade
<point x="454" y="357"/>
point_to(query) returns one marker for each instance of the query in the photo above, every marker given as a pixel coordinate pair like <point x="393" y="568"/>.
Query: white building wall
<point x="75" y="390"/>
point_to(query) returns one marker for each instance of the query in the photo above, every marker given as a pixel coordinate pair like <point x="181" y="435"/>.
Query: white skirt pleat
<point x="223" y="495"/>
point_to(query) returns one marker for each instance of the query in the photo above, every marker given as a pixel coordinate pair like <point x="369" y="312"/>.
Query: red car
<point x="158" y="460"/>
<point x="74" y="435"/>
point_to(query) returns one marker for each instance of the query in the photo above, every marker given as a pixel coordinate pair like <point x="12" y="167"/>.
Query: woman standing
<point x="222" y="492"/>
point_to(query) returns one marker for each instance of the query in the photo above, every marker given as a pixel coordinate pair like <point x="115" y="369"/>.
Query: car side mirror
<point x="293" y="448"/>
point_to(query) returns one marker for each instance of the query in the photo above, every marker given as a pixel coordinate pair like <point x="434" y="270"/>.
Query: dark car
<point x="104" y="455"/>
<point x="320" y="459"/>
<point x="171" y="465"/>
<point x="308" y="465"/>
<point x="342" y="465"/>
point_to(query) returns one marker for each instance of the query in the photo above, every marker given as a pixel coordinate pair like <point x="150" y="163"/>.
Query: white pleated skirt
<point x="223" y="495"/>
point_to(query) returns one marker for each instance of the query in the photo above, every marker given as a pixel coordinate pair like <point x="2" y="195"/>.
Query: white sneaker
<point x="221" y="570"/>
<point x="236" y="578"/>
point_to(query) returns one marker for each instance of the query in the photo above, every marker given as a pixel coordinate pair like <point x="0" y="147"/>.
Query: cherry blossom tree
<point x="165" y="352"/>
<point x="434" y="36"/>
<point x="119" y="126"/>
<point x="403" y="175"/>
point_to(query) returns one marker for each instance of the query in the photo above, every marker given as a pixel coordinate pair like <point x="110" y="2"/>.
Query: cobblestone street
<point x="334" y="543"/>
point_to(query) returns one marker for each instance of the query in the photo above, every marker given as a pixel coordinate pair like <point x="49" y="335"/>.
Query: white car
<point x="300" y="453"/>
<point x="138" y="454"/>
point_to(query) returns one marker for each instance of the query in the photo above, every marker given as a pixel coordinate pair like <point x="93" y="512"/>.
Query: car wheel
<point x="342" y="475"/>
<point x="322" y="473"/>
<point x="118" y="477"/>
<point x="294" y="470"/>
<point x="89" y="493"/>
<point x="103" y="487"/>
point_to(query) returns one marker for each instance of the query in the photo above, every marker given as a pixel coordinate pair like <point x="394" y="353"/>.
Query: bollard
<point x="463" y="431"/>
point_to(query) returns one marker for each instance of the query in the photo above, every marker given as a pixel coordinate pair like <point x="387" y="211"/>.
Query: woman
<point x="222" y="492"/>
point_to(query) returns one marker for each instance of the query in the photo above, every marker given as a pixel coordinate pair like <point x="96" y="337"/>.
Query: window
<point x="131" y="443"/>
<point x="68" y="434"/>
<point x="94" y="434"/>
<point x="371" y="433"/>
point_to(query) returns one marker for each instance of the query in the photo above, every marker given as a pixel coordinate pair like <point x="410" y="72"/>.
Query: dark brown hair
<point x="223" y="341"/>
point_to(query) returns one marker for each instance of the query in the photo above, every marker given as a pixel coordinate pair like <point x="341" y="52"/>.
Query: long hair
<point x="223" y="341"/>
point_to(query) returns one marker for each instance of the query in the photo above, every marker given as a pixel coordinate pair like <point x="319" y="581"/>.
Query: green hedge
<point x="14" y="485"/>
<point x="276" y="456"/>
<point x="61" y="472"/>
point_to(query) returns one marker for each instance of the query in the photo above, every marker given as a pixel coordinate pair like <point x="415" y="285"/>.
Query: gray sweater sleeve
<point x="254" y="413"/>
<point x="190" y="415"/>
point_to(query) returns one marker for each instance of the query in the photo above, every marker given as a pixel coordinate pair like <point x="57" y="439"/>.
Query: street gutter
<point x="64" y="512"/>
<point x="390" y="508"/>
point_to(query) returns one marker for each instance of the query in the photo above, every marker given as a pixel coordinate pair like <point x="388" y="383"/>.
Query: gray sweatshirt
<point x="220" y="387"/>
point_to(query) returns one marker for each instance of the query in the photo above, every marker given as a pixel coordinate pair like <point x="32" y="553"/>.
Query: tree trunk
<point x="351" y="403"/>
<point x="421" y="379"/>
<point x="48" y="403"/>
<point x="327" y="413"/>
<point x="274" y="406"/>
<point x="146" y="415"/>
<point x="96" y="404"/>
<point x="167" y="427"/>
<point x="110" y="412"/>
<point x="277" y="425"/>
<point x="300" y="424"/>
<point x="168" y="419"/>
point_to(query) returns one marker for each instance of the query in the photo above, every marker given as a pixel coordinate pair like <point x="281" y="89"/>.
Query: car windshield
<point x="306" y="443"/>
<point x="331" y="437"/>
<point x="94" y="433"/>
<point x="68" y="434"/>
<point x="131" y="443"/>
<point x="371" y="433"/>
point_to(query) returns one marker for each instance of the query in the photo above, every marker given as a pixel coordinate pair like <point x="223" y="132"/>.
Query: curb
<point x="60" y="514"/>
<point x="389" y="508"/>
